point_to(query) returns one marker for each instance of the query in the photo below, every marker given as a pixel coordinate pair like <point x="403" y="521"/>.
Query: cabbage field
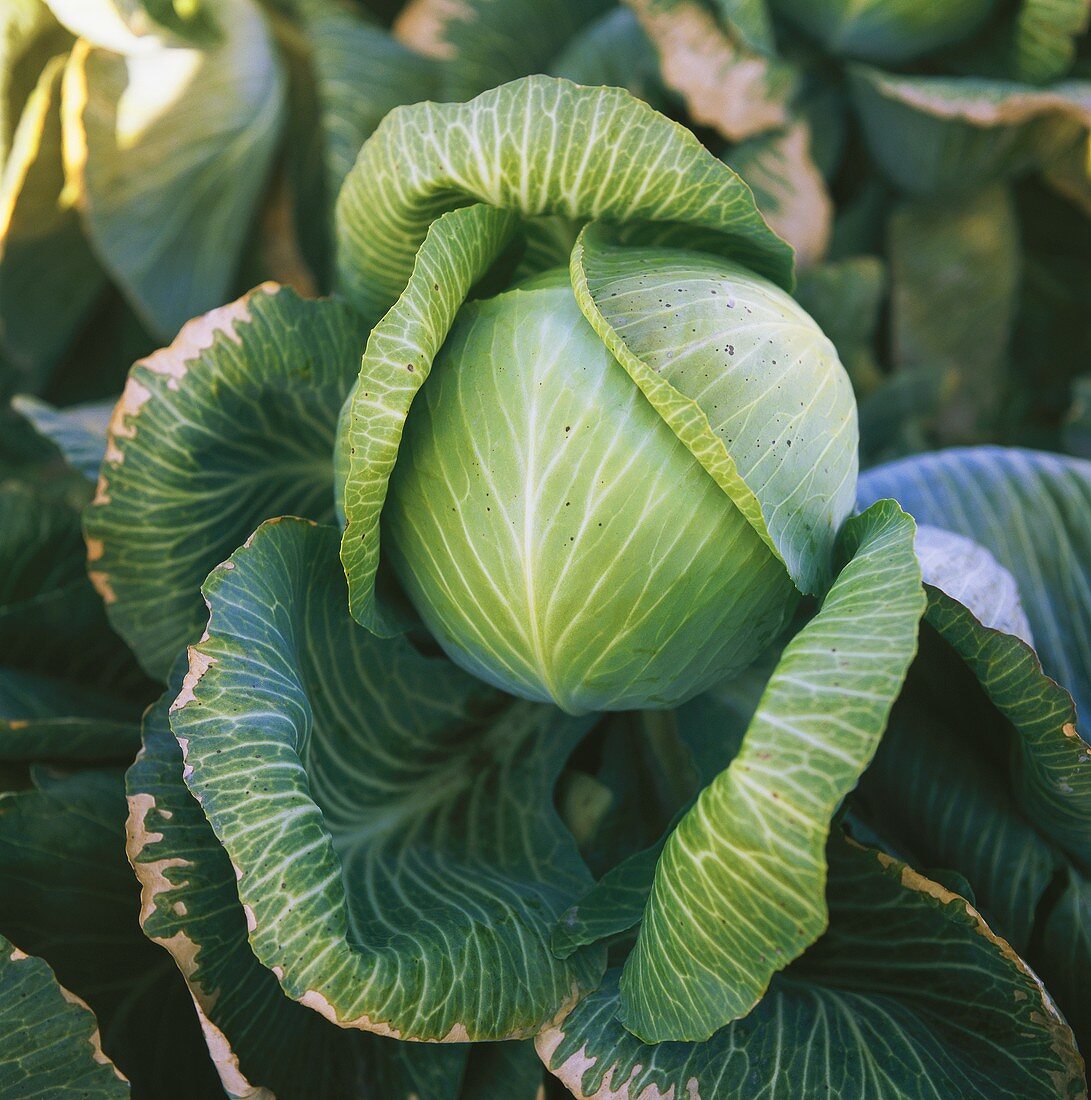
<point x="545" y="549"/>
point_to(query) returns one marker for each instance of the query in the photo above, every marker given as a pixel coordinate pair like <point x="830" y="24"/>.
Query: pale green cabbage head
<point x="554" y="533"/>
<point x="603" y="477"/>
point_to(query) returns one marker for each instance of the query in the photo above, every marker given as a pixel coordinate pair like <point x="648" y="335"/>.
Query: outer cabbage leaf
<point x="362" y="73"/>
<point x="1033" y="512"/>
<point x="844" y="297"/>
<point x="723" y="76"/>
<point x="956" y="786"/>
<point x="397" y="851"/>
<point x="49" y="1041"/>
<point x="888" y="31"/>
<point x="345" y="74"/>
<point x="964" y="570"/>
<point x="708" y="732"/>
<point x="49" y="718"/>
<point x="613" y="906"/>
<point x="639" y="775"/>
<point x="1033" y="41"/>
<point x="1069" y="174"/>
<point x="167" y="149"/>
<point x="933" y="134"/>
<point x="511" y="1070"/>
<point x="261" y="1041"/>
<point x="1050" y="762"/>
<point x="749" y="21"/>
<point x="68" y="689"/>
<point x="954" y="272"/>
<point x="908" y="994"/>
<point x="1078" y="421"/>
<point x="78" y="431"/>
<point x="614" y="50"/>
<point x="231" y="424"/>
<point x="483" y="43"/>
<point x="49" y="278"/>
<point x="24" y="31"/>
<point x="788" y="188"/>
<point x="71" y="898"/>
<point x="120" y="25"/>
<point x="984" y="770"/>
<point x="740" y="887"/>
<point x="1051" y="345"/>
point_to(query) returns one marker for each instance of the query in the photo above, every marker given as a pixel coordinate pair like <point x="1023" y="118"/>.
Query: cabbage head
<point x="623" y="469"/>
<point x="556" y="536"/>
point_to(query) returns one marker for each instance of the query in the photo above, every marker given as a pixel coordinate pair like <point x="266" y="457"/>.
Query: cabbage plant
<point x="157" y="159"/>
<point x="523" y="640"/>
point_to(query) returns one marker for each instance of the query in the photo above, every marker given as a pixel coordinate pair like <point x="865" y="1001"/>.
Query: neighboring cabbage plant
<point x="158" y="158"/>
<point x="929" y="162"/>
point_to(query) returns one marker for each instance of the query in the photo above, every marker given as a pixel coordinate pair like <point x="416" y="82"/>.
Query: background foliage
<point x="860" y="867"/>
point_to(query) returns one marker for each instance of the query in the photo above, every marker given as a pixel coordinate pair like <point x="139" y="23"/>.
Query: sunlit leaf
<point x="168" y="147"/>
<point x="26" y="28"/>
<point x="49" y="278"/>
